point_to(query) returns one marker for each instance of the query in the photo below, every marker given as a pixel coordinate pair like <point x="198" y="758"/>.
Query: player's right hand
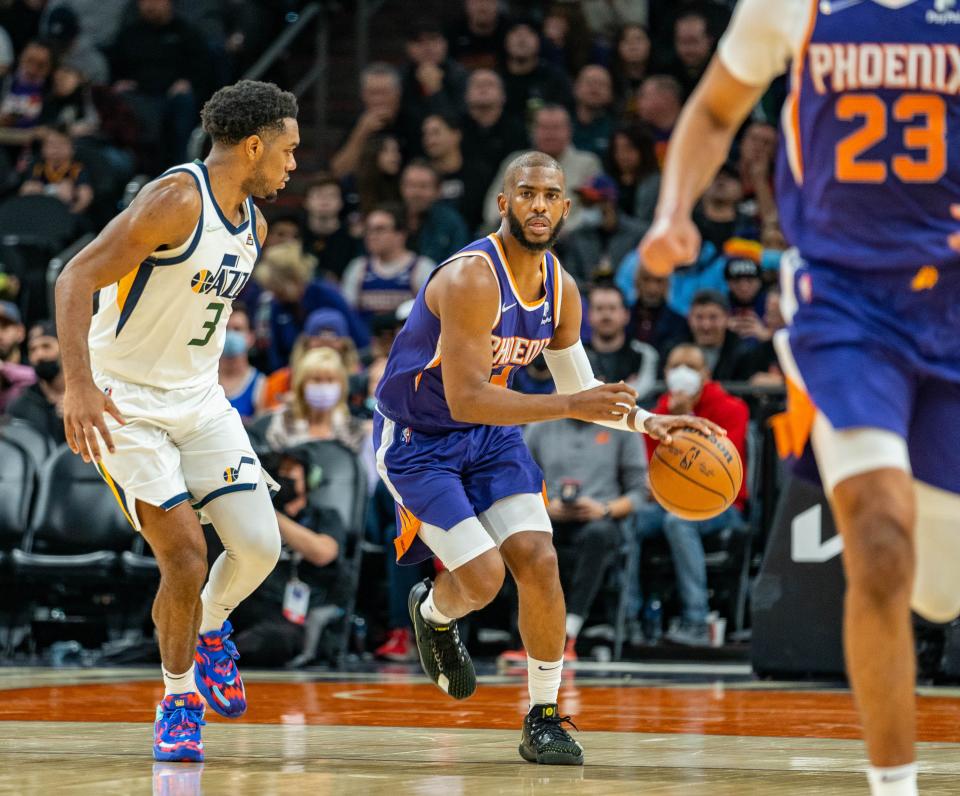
<point x="669" y="243"/>
<point x="83" y="409"/>
<point x="606" y="402"/>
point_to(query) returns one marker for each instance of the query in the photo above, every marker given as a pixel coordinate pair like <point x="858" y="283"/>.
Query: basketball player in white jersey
<point x="143" y="402"/>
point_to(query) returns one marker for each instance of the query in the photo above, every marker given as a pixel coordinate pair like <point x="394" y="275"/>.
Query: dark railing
<point x="316" y="76"/>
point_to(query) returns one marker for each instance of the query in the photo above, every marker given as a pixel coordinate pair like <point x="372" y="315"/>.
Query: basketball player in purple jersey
<point x="868" y="185"/>
<point x="450" y="450"/>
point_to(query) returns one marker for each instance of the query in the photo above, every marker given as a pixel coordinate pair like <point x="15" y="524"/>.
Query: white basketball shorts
<point x="177" y="445"/>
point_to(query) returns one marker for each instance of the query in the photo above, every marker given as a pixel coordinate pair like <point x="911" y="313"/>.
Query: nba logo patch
<point x="249" y="239"/>
<point x="407" y="435"/>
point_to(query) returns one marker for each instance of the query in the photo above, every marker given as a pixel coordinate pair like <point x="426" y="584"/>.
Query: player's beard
<point x="258" y="186"/>
<point x="516" y="229"/>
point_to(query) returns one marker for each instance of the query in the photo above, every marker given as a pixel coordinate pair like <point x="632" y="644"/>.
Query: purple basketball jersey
<point x="411" y="390"/>
<point x="870" y="160"/>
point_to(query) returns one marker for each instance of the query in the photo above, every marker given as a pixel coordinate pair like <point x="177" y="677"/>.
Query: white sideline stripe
<point x="386" y="438"/>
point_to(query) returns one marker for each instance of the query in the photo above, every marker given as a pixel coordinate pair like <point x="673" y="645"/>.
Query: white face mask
<point x="684" y="379"/>
<point x="321" y="395"/>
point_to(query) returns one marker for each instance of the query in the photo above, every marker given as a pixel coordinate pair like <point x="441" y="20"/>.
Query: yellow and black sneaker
<point x="545" y="741"/>
<point x="442" y="654"/>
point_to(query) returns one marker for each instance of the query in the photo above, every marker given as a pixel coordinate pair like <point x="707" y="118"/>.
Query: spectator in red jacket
<point x="690" y="391"/>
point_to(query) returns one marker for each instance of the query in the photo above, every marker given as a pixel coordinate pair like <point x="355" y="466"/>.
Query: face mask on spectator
<point x="322" y="395"/>
<point x="47" y="369"/>
<point x="235" y="344"/>
<point x="684" y="379"/>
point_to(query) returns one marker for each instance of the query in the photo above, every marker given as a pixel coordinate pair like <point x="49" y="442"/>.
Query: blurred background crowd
<point x="400" y="166"/>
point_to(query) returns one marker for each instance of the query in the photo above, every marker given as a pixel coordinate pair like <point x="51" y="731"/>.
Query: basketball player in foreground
<point x="144" y="380"/>
<point x="450" y="450"/>
<point x="868" y="182"/>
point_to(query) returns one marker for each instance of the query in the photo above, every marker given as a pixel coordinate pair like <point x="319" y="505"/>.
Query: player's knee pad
<point x="936" y="590"/>
<point x="844" y="453"/>
<point x="247" y="525"/>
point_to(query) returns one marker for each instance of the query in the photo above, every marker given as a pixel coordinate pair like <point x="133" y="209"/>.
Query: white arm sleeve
<point x="572" y="372"/>
<point x="762" y="39"/>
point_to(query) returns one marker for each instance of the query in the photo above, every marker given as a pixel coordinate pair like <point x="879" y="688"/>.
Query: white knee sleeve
<point x="844" y="453"/>
<point x="936" y="589"/>
<point x="247" y="525"/>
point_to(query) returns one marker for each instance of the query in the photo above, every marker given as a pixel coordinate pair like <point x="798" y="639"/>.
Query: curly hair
<point x="246" y="108"/>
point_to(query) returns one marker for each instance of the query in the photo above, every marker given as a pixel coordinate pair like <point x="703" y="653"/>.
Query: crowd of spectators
<point x="597" y="85"/>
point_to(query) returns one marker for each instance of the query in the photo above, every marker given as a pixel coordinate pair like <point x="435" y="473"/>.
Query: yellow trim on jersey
<point x="124" y="285"/>
<point x="510" y="279"/>
<point x="113" y="488"/>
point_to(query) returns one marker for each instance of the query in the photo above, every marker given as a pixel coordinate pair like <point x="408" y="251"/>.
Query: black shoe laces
<point x="549" y="729"/>
<point x="447" y="649"/>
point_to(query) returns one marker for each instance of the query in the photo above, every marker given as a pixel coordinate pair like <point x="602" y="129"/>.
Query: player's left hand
<point x="660" y="426"/>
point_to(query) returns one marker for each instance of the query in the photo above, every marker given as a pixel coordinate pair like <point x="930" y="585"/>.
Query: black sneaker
<point x="442" y="655"/>
<point x="545" y="741"/>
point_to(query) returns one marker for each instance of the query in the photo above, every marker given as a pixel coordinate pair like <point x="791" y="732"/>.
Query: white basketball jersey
<point x="163" y="324"/>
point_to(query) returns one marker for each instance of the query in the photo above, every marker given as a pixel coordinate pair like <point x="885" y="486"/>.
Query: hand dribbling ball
<point x="695" y="476"/>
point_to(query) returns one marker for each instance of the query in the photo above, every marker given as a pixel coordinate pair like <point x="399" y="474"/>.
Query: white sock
<point x="213" y="615"/>
<point x="430" y="612"/>
<point x="178" y="683"/>
<point x="895" y="781"/>
<point x="574" y="623"/>
<point x="543" y="680"/>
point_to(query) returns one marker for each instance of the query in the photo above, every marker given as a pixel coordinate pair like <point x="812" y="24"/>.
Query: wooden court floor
<point x="89" y="732"/>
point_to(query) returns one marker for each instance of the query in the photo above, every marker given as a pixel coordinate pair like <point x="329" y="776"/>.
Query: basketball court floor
<point x="665" y="729"/>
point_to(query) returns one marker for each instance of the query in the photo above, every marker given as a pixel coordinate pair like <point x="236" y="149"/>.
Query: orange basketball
<point x="695" y="476"/>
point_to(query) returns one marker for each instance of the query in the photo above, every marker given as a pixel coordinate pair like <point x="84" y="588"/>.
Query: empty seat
<point x="28" y="437"/>
<point x="77" y="528"/>
<point x="17" y="477"/>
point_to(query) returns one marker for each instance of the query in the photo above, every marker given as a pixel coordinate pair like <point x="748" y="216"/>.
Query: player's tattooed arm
<point x="164" y="214"/>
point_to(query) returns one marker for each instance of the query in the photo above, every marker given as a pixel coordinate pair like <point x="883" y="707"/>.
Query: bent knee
<point x="539" y="567"/>
<point x="186" y="564"/>
<point x="480" y="580"/>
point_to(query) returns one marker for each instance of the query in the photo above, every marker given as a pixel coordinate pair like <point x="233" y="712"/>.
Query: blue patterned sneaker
<point x="176" y="732"/>
<point x="216" y="675"/>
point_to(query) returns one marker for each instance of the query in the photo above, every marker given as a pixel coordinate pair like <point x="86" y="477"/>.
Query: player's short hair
<point x="248" y="107"/>
<point x="528" y="160"/>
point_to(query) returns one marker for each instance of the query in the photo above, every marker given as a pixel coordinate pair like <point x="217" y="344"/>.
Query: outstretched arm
<point x="698" y="147"/>
<point x="573" y="375"/>
<point x="164" y="213"/>
<point x="466" y="298"/>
